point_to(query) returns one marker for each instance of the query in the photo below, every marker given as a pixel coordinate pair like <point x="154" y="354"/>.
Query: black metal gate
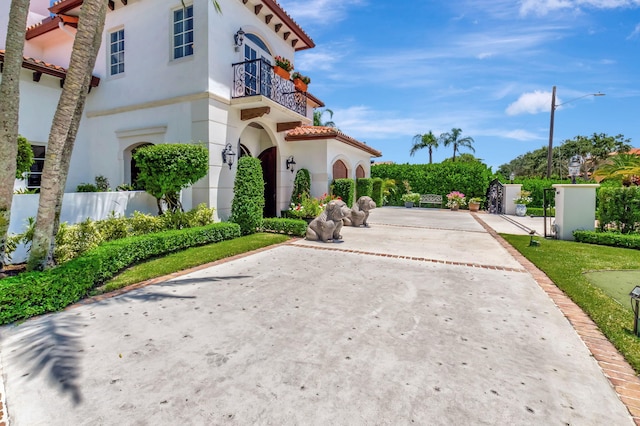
<point x="495" y="195"/>
<point x="548" y="201"/>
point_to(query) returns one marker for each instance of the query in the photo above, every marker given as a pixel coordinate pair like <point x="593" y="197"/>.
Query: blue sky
<point x="390" y="70"/>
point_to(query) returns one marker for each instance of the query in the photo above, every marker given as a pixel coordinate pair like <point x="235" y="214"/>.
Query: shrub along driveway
<point x="422" y="318"/>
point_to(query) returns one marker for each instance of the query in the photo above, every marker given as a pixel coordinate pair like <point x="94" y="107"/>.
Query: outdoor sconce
<point x="228" y="155"/>
<point x="291" y="164"/>
<point x="575" y="164"/>
<point x="635" y="296"/>
<point x="238" y="39"/>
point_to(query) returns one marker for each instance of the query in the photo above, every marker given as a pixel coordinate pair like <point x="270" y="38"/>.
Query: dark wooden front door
<point x="269" y="165"/>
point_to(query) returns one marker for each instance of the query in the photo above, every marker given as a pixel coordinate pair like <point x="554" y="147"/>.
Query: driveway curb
<point x="616" y="369"/>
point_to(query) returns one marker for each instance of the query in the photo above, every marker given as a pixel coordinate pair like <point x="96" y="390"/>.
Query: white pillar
<point x="511" y="192"/>
<point x="575" y="209"/>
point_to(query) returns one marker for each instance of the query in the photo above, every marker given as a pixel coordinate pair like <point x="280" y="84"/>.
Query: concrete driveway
<point x="423" y="318"/>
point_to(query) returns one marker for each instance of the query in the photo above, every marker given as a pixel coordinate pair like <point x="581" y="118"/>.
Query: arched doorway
<point x="340" y="170"/>
<point x="268" y="158"/>
<point x="360" y="173"/>
<point x="133" y="168"/>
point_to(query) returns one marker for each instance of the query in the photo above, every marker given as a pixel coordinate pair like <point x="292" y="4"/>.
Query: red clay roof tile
<point x="324" y="132"/>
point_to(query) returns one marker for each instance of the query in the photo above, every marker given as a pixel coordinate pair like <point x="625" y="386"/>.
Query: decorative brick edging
<point x="421" y="259"/>
<point x="613" y="365"/>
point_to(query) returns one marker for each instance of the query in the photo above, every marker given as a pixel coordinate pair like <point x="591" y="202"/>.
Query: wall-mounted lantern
<point x="238" y="39"/>
<point x="291" y="164"/>
<point x="228" y="155"/>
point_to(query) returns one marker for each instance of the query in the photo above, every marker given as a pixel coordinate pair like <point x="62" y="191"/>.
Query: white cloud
<point x="543" y="7"/>
<point x="635" y="33"/>
<point x="319" y="11"/>
<point x="531" y="103"/>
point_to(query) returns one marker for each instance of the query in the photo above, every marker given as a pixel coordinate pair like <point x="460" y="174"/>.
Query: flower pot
<point x="521" y="209"/>
<point x="282" y="72"/>
<point x="300" y="85"/>
<point x="408" y="204"/>
<point x="455" y="207"/>
<point x="474" y="207"/>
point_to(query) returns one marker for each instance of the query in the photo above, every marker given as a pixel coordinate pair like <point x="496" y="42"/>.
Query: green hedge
<point x="248" y="195"/>
<point x="377" y="194"/>
<point x="36" y="293"/>
<point x="297" y="227"/>
<point x="539" y="211"/>
<point x="472" y="179"/>
<point x="345" y="189"/>
<point x="613" y="239"/>
<point x="619" y="209"/>
<point x="364" y="187"/>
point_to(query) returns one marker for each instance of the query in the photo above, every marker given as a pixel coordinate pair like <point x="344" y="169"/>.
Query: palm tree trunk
<point x="64" y="128"/>
<point x="430" y="155"/>
<point x="9" y="114"/>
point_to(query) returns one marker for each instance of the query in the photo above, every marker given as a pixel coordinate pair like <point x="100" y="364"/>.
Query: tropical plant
<point x="453" y="138"/>
<point x="283" y="63"/>
<point x="427" y="140"/>
<point x="475" y="200"/>
<point x="621" y="167"/>
<point x="411" y="197"/>
<point x="9" y="108"/>
<point x="24" y="160"/>
<point x="165" y="169"/>
<point x="247" y="206"/>
<point x="317" y="118"/>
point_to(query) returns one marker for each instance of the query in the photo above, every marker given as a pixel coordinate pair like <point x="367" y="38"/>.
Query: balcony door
<point x="257" y="69"/>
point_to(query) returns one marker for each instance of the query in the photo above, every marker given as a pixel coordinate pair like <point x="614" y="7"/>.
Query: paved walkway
<point x="423" y="318"/>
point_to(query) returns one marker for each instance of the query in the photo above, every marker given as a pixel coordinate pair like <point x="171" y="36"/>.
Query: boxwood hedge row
<point x="613" y="239"/>
<point x="36" y="293"/>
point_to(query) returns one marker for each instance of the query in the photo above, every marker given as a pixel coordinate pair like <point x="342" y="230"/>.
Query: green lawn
<point x="189" y="258"/>
<point x="565" y="263"/>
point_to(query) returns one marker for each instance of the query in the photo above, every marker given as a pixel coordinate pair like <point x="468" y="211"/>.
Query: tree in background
<point x="168" y="168"/>
<point x="464" y="158"/>
<point x="428" y="140"/>
<point x="317" y="118"/>
<point x="621" y="167"/>
<point x="453" y="138"/>
<point x="9" y="113"/>
<point x="247" y="207"/>
<point x="24" y="159"/>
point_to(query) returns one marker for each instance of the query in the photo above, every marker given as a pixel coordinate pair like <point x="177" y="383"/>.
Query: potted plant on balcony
<point x="282" y="67"/>
<point x="300" y="81"/>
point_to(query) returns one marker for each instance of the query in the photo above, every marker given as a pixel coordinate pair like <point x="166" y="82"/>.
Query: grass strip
<point x="565" y="263"/>
<point x="189" y="258"/>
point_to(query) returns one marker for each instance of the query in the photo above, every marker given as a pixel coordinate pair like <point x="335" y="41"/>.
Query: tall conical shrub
<point x="248" y="196"/>
<point x="301" y="186"/>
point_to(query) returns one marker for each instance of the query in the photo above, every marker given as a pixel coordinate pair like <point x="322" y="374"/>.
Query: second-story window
<point x="183" y="32"/>
<point x="116" y="52"/>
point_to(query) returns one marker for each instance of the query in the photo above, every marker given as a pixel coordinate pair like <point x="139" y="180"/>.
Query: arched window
<point x="360" y="173"/>
<point x="258" y="42"/>
<point x="339" y="170"/>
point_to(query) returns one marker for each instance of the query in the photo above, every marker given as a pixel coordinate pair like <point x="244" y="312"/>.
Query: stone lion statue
<point x="359" y="214"/>
<point x="327" y="226"/>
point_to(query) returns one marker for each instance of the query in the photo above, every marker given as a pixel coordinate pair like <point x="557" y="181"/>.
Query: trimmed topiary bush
<point x="613" y="239"/>
<point x="364" y="187"/>
<point x="36" y="293"/>
<point x="619" y="209"/>
<point x="301" y="186"/>
<point x="248" y="196"/>
<point x="345" y="189"/>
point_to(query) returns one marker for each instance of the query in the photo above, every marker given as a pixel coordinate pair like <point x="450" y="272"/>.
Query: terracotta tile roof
<point x="47" y="68"/>
<point x="634" y="151"/>
<point x="302" y="133"/>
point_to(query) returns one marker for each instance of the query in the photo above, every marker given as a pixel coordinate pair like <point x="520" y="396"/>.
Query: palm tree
<point x="9" y="107"/>
<point x="620" y="166"/>
<point x="452" y="138"/>
<point x="317" y="118"/>
<point x="428" y="140"/>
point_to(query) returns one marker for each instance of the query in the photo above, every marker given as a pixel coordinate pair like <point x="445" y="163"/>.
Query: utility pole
<point x="550" y="152"/>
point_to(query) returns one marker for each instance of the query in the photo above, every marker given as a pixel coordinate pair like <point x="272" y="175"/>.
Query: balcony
<point x="256" y="78"/>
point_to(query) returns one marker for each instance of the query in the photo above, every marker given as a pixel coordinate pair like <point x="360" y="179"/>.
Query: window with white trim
<point x="183" y="32"/>
<point x="34" y="176"/>
<point x="116" y="52"/>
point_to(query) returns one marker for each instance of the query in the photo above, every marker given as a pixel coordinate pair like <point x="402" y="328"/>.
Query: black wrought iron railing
<point x="256" y="77"/>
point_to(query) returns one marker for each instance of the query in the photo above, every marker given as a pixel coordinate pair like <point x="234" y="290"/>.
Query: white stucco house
<point x="167" y="73"/>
